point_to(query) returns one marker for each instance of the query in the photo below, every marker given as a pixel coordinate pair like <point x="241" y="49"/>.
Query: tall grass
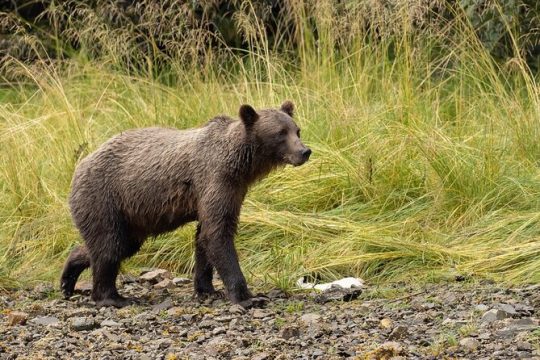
<point x="425" y="151"/>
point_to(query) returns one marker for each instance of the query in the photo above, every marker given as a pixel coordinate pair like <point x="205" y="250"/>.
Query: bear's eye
<point x="298" y="132"/>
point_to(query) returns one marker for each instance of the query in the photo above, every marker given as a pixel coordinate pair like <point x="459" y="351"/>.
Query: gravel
<point x="447" y="320"/>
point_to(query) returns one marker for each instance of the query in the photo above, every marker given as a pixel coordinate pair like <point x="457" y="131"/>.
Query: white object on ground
<point x="345" y="283"/>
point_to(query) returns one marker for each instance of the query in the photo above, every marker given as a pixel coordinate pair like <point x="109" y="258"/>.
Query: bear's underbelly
<point x="163" y="213"/>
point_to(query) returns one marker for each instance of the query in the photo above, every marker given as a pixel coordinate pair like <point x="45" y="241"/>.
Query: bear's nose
<point x="306" y="153"/>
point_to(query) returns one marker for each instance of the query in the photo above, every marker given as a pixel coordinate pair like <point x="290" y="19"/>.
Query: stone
<point x="82" y="323"/>
<point x="261" y="356"/>
<point x="84" y="287"/>
<point x="237" y="309"/>
<point x="176" y="311"/>
<point x="164" y="305"/>
<point x="17" y="318"/>
<point x="386" y="323"/>
<point x="164" y="284"/>
<point x="310" y="318"/>
<point x="289" y="332"/>
<point x="392" y="347"/>
<point x="155" y="276"/>
<point x="218" y="347"/>
<point x="45" y="321"/>
<point x="524" y="346"/>
<point x="494" y="315"/>
<point x="470" y="344"/>
<point x="163" y="343"/>
<point x="399" y="332"/>
<point x="514" y="326"/>
<point x="110" y="323"/>
<point x="507" y="308"/>
<point x="481" y="307"/>
<point x="219" y="330"/>
<point x="180" y="281"/>
<point x="261" y="313"/>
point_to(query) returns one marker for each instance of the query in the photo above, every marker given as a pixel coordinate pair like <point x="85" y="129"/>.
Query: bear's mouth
<point x="295" y="161"/>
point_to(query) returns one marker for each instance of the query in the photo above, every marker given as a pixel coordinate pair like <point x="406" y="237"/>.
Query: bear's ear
<point x="288" y="108"/>
<point x="248" y="115"/>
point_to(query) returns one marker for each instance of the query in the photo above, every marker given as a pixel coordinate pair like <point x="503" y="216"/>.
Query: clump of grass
<point x="425" y="154"/>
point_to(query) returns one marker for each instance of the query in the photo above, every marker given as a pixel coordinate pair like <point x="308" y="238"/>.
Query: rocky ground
<point x="444" y="321"/>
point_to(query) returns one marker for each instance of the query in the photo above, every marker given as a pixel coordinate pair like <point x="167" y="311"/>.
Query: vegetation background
<point x="423" y="117"/>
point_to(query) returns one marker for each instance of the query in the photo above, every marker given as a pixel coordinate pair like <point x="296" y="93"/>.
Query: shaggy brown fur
<point x="146" y="182"/>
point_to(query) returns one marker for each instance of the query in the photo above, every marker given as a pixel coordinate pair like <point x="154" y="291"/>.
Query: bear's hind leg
<point x="76" y="263"/>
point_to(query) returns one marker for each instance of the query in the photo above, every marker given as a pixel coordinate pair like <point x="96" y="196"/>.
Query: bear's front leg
<point x="222" y="254"/>
<point x="218" y="214"/>
<point x="203" y="271"/>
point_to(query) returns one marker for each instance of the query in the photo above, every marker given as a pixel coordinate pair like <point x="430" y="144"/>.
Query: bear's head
<point x="275" y="134"/>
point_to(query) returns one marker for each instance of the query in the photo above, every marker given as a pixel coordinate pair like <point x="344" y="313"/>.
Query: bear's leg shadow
<point x="76" y="263"/>
<point x="203" y="269"/>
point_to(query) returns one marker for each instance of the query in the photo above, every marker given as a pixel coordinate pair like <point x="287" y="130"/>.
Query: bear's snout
<point x="306" y="153"/>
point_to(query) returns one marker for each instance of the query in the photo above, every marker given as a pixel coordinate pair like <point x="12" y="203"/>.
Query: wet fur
<point x="149" y="181"/>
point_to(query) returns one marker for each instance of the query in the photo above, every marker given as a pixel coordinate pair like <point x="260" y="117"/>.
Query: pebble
<point x="17" y="318"/>
<point x="470" y="344"/>
<point x="237" y="309"/>
<point x="524" y="346"/>
<point x="399" y="332"/>
<point x="156" y="276"/>
<point x="261" y="313"/>
<point x="164" y="284"/>
<point x="289" y="332"/>
<point x="164" y="305"/>
<point x="110" y="323"/>
<point x="82" y="323"/>
<point x="310" y="318"/>
<point x="45" y="320"/>
<point x="386" y="323"/>
<point x="180" y="281"/>
<point x="313" y="330"/>
<point x="494" y="315"/>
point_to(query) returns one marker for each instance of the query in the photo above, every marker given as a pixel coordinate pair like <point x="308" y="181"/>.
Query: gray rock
<point x="470" y="344"/>
<point x="180" y="281"/>
<point x="289" y="332"/>
<point x="82" y="323"/>
<point x="261" y="313"/>
<point x="524" y="346"/>
<point x="481" y="307"/>
<point x="218" y="347"/>
<point x="399" y="332"/>
<point x="219" y="330"/>
<point x="45" y="320"/>
<point x="310" y="318"/>
<point x="164" y="284"/>
<point x="164" y="305"/>
<point x="156" y="276"/>
<point x="507" y="308"/>
<point x="205" y="324"/>
<point x="237" y="309"/>
<point x="261" y="356"/>
<point x="110" y="323"/>
<point x="514" y="326"/>
<point x="494" y="315"/>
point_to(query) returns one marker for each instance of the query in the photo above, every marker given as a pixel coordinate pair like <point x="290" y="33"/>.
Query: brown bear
<point x="145" y="182"/>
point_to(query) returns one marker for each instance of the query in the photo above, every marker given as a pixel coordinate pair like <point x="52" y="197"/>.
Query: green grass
<point x="423" y="164"/>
